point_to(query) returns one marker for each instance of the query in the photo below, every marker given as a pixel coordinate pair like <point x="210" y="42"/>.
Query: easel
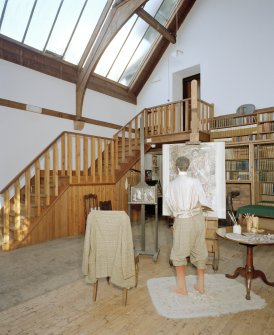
<point x="144" y="185"/>
<point x="211" y="222"/>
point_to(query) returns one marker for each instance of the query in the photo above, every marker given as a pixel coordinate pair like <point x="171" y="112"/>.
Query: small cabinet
<point x="212" y="242"/>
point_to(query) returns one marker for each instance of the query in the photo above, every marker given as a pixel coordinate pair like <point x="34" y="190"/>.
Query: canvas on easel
<point x="207" y="163"/>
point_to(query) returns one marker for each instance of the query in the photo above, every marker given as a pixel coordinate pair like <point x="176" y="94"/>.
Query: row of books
<point x="266" y="164"/>
<point x="266" y="203"/>
<point x="267" y="136"/>
<point x="237" y="165"/>
<point x="266" y="151"/>
<point x="264" y="117"/>
<point x="266" y="127"/>
<point x="245" y="138"/>
<point x="233" y="121"/>
<point x="237" y="153"/>
<point x="236" y="175"/>
<point x="267" y="188"/>
<point x="233" y="131"/>
<point x="267" y="198"/>
<point x="266" y="176"/>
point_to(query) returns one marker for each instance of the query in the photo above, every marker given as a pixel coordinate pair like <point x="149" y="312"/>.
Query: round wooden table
<point x="249" y="241"/>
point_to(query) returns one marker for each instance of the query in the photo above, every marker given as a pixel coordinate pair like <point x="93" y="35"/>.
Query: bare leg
<point x="201" y="281"/>
<point x="181" y="280"/>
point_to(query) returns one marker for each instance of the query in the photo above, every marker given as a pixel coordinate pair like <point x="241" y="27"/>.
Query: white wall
<point x="23" y="135"/>
<point x="231" y="43"/>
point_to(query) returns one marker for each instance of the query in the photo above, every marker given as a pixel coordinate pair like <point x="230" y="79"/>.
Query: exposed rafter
<point x="50" y="112"/>
<point x="118" y="16"/>
<point x="29" y="57"/>
<point x="156" y="25"/>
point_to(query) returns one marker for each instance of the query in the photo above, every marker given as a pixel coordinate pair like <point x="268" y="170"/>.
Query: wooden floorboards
<point x="67" y="308"/>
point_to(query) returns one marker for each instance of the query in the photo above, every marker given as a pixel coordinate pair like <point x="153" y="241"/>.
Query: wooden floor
<point x="64" y="303"/>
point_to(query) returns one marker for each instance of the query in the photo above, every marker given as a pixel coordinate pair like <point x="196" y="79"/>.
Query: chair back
<point x="105" y="205"/>
<point x="90" y="202"/>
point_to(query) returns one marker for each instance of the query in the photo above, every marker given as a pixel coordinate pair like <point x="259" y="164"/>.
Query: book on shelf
<point x="237" y="175"/>
<point x="266" y="127"/>
<point x="267" y="136"/>
<point x="266" y="203"/>
<point x="268" y="198"/>
<point x="267" y="188"/>
<point x="264" y="117"/>
<point x="267" y="176"/>
<point x="237" y="153"/>
<point x="242" y="165"/>
<point x="234" y="131"/>
<point x="266" y="151"/>
<point x="233" y="121"/>
<point x="266" y="164"/>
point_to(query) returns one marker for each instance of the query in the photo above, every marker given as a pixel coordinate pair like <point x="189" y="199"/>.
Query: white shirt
<point x="185" y="196"/>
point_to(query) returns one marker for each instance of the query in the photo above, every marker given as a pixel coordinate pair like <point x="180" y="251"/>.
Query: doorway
<point x="187" y="85"/>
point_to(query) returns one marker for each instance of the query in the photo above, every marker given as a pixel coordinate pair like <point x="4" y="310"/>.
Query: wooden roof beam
<point x="118" y="16"/>
<point x="156" y="25"/>
<point x="50" y="112"/>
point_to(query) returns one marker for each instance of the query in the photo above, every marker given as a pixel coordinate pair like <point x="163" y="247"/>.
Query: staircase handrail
<point x="43" y="152"/>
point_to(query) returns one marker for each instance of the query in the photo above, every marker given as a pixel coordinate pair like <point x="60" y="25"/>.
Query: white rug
<point x="222" y="296"/>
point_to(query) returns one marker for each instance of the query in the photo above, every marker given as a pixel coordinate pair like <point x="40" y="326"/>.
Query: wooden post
<point x="194" y="136"/>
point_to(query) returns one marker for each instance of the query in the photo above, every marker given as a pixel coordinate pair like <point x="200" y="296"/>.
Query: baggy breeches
<point x="189" y="240"/>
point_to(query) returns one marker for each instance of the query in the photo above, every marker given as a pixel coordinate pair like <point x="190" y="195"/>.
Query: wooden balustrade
<point x="75" y="158"/>
<point x="170" y="118"/>
<point x="83" y="159"/>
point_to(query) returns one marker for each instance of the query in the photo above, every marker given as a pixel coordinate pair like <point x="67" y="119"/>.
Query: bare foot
<point x="179" y="290"/>
<point x="201" y="291"/>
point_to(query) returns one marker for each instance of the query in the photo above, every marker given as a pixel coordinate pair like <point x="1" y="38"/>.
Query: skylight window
<point x="129" y="49"/>
<point x="63" y="28"/>
<point x="59" y="27"/>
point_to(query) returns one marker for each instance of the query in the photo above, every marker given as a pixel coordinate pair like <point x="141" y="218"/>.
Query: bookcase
<point x="266" y="124"/>
<point x="264" y="172"/>
<point x="234" y="128"/>
<point x="237" y="165"/>
<point x="249" y="157"/>
<point x="239" y="169"/>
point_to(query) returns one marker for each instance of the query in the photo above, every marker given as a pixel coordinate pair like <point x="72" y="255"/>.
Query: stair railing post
<point x="194" y="136"/>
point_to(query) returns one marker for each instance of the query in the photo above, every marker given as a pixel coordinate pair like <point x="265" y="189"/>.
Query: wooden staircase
<point x="86" y="162"/>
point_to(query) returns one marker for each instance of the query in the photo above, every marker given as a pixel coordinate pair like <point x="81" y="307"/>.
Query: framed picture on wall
<point x="207" y="163"/>
<point x="154" y="161"/>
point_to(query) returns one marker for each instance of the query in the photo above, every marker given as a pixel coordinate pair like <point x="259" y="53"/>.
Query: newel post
<point x="195" y="117"/>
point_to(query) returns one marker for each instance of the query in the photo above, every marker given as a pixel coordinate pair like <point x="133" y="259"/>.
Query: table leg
<point x="249" y="272"/>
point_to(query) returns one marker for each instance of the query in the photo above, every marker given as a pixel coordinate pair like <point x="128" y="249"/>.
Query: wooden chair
<point x="105" y="205"/>
<point x="90" y="201"/>
<point x="125" y="290"/>
<point x="111" y="235"/>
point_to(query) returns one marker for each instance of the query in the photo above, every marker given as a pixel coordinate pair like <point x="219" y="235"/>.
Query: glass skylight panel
<point x="142" y="51"/>
<point x="165" y="11"/>
<point x="121" y="65"/>
<point x="64" y="26"/>
<point x="111" y="52"/>
<point x="128" y="49"/>
<point x="16" y="18"/>
<point x="41" y="23"/>
<point x="152" y="6"/>
<point x="84" y="30"/>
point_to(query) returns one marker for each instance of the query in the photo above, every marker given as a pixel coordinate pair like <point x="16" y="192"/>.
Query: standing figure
<point x="185" y="198"/>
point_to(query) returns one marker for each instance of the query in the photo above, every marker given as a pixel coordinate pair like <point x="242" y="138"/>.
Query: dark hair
<point x="182" y="163"/>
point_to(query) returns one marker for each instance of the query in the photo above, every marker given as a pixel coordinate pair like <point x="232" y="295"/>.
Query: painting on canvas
<point x="207" y="163"/>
